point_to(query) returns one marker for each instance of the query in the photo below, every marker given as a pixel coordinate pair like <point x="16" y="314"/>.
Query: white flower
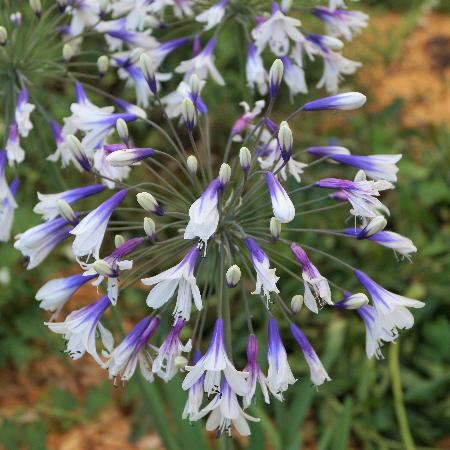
<point x="22" y="113"/>
<point x="108" y="171"/>
<point x="202" y="64"/>
<point x="80" y="329"/>
<point x="62" y="150"/>
<point x="182" y="277"/>
<point x="212" y="16"/>
<point x="14" y="151"/>
<point x="91" y="229"/>
<point x="283" y="208"/>
<point x="212" y="364"/>
<point x="254" y="68"/>
<point x="7" y="201"/>
<point x="277" y="31"/>
<point x="312" y="280"/>
<point x="203" y="214"/>
<point x="195" y="394"/>
<point x="280" y="375"/>
<point x="226" y="411"/>
<point x="294" y="77"/>
<point x="265" y="276"/>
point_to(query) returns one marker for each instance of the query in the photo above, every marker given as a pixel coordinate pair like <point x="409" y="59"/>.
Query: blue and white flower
<point x="316" y="286"/>
<point x="266" y="280"/>
<point x="111" y="174"/>
<point x="164" y="363"/>
<point x="215" y="363"/>
<point x="225" y="411"/>
<point x="195" y="394"/>
<point x="202" y="64"/>
<point x="14" y="151"/>
<point x="81" y="328"/>
<point x="91" y="229"/>
<point x="203" y="214"/>
<point x="37" y="242"/>
<point x="212" y="16"/>
<point x="22" y="113"/>
<point x="48" y="207"/>
<point x="62" y="151"/>
<point x="283" y="208"/>
<point x="277" y="31"/>
<point x="279" y="376"/>
<point x="317" y="372"/>
<point x="179" y="277"/>
<point x="133" y="350"/>
<point x="294" y="77"/>
<point x="257" y="76"/>
<point x="54" y="294"/>
<point x="7" y="208"/>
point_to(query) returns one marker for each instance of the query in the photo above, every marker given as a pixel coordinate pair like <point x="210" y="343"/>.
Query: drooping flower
<point x="213" y="364"/>
<point x="203" y="214"/>
<point x="202" y="64"/>
<point x="392" y="311"/>
<point x="164" y="363"/>
<point x="255" y="374"/>
<point x="182" y="277"/>
<point x="317" y="372"/>
<point x="47" y="205"/>
<point x="283" y="208"/>
<point x="316" y="286"/>
<point x="265" y="276"/>
<point x="280" y="375"/>
<point x="346" y="101"/>
<point x="329" y="150"/>
<point x="7" y="209"/>
<point x="129" y="156"/>
<point x="81" y="328"/>
<point x="15" y="153"/>
<point x="244" y="121"/>
<point x="62" y="151"/>
<point x="341" y="22"/>
<point x="91" y="229"/>
<point x="111" y="174"/>
<point x="294" y="77"/>
<point x="54" y="294"/>
<point x="195" y="394"/>
<point x="212" y="16"/>
<point x="111" y="266"/>
<point x="173" y="101"/>
<point x="377" y="167"/>
<point x="134" y="349"/>
<point x="361" y="194"/>
<point x="257" y="75"/>
<point x="22" y="113"/>
<point x="277" y="31"/>
<point x="37" y="242"/>
<point x="225" y="411"/>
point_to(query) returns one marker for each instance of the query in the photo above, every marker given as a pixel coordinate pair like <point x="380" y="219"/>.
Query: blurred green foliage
<point x="357" y="409"/>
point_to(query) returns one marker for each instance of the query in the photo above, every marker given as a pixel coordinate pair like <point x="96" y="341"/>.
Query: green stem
<point x="400" y="411"/>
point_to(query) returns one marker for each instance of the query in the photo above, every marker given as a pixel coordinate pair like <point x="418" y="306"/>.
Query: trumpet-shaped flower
<point x="81" y="328"/>
<point x="283" y="208"/>
<point x="14" y="151"/>
<point x="7" y="208"/>
<point x="90" y="231"/>
<point x="213" y="364"/>
<point x="182" y="277"/>
<point x="195" y="394"/>
<point x="257" y="75"/>
<point x="212" y="16"/>
<point x="316" y="286"/>
<point x="22" y="113"/>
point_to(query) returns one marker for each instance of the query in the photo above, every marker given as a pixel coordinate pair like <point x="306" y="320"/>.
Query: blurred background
<point x="49" y="402"/>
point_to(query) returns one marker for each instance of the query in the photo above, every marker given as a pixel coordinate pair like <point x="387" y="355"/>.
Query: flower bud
<point x="344" y="102"/>
<point x="149" y="203"/>
<point x="104" y="4"/>
<point x="332" y="43"/>
<point x="67" y="52"/>
<point x="103" y="268"/>
<point x="180" y="362"/>
<point x="66" y="211"/>
<point x="149" y="228"/>
<point x="360" y="176"/>
<point x="275" y="77"/>
<point x="296" y="303"/>
<point x="36" y="7"/>
<point x="233" y="276"/>
<point x="148" y="69"/>
<point x="192" y="164"/>
<point x="275" y="228"/>
<point x="3" y="35"/>
<point x="188" y="113"/>
<point x="118" y="240"/>
<point x="355" y="301"/>
<point x="122" y="130"/>
<point x="102" y="65"/>
<point x="61" y="5"/>
<point x="286" y="5"/>
<point x="374" y="226"/>
<point x="16" y="19"/>
<point x="285" y="140"/>
<point x="78" y="152"/>
<point x="224" y="174"/>
<point x="194" y="84"/>
<point x="245" y="158"/>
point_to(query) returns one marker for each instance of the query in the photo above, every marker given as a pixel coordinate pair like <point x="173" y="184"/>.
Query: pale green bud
<point x="118" y="240"/>
<point x="275" y="228"/>
<point x="296" y="303"/>
<point x="192" y="164"/>
<point x="224" y="173"/>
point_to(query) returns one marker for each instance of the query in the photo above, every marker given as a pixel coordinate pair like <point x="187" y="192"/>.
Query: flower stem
<point x="400" y="411"/>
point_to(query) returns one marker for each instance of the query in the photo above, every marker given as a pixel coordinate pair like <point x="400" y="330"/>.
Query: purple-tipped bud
<point x="275" y="77"/>
<point x="344" y="102"/>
